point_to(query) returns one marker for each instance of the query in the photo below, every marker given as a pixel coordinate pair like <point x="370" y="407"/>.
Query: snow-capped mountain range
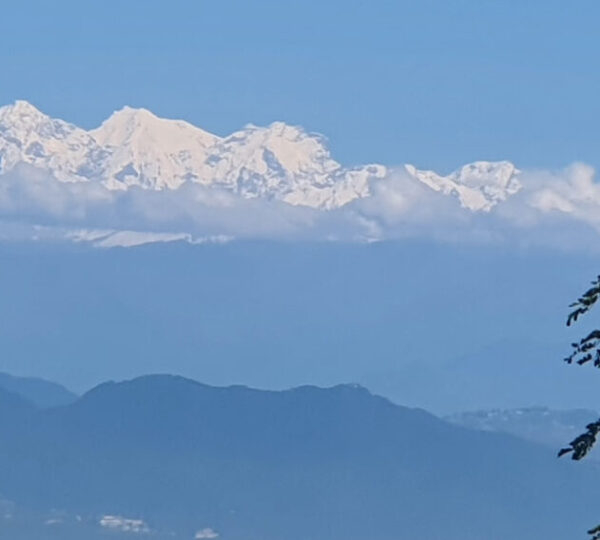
<point x="138" y="178"/>
<point x="133" y="147"/>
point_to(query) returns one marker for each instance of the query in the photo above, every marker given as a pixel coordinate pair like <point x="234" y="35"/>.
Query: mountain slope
<point x="335" y="463"/>
<point x="40" y="392"/>
<point x="14" y="406"/>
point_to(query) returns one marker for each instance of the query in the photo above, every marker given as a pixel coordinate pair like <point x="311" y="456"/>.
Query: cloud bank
<point x="559" y="209"/>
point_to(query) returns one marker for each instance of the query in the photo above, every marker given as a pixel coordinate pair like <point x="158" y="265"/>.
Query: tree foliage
<point x="585" y="350"/>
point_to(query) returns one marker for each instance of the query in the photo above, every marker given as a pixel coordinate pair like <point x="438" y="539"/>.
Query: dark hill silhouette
<point x="308" y="463"/>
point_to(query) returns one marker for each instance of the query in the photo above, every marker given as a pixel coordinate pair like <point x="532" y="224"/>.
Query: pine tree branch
<point x="585" y="302"/>
<point x="581" y="445"/>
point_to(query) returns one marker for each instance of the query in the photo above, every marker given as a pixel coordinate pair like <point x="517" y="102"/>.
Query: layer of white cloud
<point x="553" y="208"/>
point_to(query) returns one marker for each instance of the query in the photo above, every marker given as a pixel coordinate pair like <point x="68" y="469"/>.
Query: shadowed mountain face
<point x="307" y="463"/>
<point x="40" y="392"/>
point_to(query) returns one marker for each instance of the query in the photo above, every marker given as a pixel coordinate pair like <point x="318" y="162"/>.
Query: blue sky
<point x="433" y="82"/>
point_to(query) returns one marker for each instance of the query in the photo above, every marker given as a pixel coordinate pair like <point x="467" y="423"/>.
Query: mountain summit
<point x="145" y="150"/>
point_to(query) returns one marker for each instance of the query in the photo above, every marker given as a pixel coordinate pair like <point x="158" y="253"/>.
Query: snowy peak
<point x="151" y="152"/>
<point x="285" y="162"/>
<point x="141" y="126"/>
<point x="21" y="111"/>
<point x="295" y="150"/>
<point x="124" y="125"/>
<point x="479" y="186"/>
<point x="29" y="136"/>
<point x="23" y="121"/>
